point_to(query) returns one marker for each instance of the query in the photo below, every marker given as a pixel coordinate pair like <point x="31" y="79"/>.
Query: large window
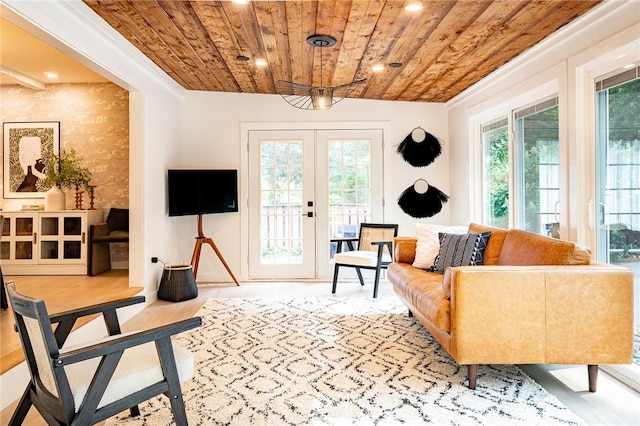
<point x="525" y="196"/>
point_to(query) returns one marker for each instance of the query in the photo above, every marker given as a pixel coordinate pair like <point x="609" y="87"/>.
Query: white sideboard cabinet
<point x="46" y="243"/>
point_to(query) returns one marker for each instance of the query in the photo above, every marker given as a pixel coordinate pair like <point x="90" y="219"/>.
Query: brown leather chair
<point x="114" y="230"/>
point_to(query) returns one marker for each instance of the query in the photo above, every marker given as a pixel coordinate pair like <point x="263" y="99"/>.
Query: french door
<point x="306" y="187"/>
<point x="617" y="186"/>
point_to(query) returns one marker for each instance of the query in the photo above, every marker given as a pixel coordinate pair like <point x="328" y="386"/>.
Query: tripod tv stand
<point x="200" y="240"/>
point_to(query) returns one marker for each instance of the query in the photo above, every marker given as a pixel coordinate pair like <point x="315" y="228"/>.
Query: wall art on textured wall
<point x="27" y="149"/>
<point x="420" y="148"/>
<point x="422" y="199"/>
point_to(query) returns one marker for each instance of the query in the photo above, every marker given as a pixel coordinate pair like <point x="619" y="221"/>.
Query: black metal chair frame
<point x="61" y="410"/>
<point x="350" y="245"/>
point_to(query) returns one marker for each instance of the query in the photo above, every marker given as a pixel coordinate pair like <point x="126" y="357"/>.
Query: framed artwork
<point x="27" y="149"/>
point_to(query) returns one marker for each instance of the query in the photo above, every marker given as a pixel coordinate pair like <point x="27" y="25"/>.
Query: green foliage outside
<point x="497" y="177"/>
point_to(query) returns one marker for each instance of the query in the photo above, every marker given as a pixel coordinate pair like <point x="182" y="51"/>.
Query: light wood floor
<point x="613" y="404"/>
<point x="60" y="293"/>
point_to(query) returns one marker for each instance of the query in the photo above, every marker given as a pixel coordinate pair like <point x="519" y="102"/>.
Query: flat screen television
<point x="194" y="192"/>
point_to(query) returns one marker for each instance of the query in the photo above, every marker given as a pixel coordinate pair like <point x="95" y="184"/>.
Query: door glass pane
<point x="24" y="250"/>
<point x="49" y="250"/>
<point x="349" y="182"/>
<point x="72" y="225"/>
<point x="72" y="249"/>
<point x="5" y="250"/>
<point x="6" y="227"/>
<point x="281" y="202"/>
<point x="49" y="226"/>
<point x="537" y="163"/>
<point x="495" y="173"/>
<point x="618" y="183"/>
<point x="24" y="226"/>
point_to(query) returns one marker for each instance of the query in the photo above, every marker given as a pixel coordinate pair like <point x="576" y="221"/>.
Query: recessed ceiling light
<point x="377" y="68"/>
<point x="261" y="62"/>
<point x="414" y="7"/>
<point x="51" y="75"/>
<point x="395" y="64"/>
<point x="240" y="1"/>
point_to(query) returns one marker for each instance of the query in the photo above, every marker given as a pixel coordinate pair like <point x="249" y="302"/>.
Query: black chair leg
<point x="360" y="276"/>
<point x="134" y="411"/>
<point x="376" y="282"/>
<point x="22" y="409"/>
<point x="335" y="279"/>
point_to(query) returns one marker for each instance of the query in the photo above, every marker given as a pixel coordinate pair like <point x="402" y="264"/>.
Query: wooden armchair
<point x="375" y="247"/>
<point x="85" y="385"/>
<point x="114" y="230"/>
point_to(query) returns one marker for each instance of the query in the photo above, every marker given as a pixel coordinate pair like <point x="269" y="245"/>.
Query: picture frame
<point x="27" y="148"/>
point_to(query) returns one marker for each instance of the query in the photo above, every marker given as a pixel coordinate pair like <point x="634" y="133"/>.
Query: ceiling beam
<point x="22" y="79"/>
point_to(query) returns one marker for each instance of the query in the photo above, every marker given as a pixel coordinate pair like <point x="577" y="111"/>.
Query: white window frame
<point x="481" y="117"/>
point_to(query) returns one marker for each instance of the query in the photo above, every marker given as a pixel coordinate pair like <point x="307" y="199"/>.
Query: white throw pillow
<point x="428" y="243"/>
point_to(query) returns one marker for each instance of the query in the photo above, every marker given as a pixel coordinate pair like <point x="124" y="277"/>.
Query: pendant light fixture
<point x="321" y="97"/>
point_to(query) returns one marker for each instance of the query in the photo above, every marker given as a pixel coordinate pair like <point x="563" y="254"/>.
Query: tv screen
<point x="193" y="192"/>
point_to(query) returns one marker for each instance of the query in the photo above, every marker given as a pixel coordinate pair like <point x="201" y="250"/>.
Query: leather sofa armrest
<point x="404" y="249"/>
<point x="542" y="314"/>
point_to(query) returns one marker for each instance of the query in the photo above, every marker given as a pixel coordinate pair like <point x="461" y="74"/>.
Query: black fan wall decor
<point x="422" y="199"/>
<point x="420" y="148"/>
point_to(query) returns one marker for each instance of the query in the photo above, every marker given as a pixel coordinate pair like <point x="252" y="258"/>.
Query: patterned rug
<point x="339" y="362"/>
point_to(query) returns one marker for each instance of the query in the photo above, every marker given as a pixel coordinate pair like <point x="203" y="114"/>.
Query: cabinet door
<point x="62" y="237"/>
<point x="19" y="238"/>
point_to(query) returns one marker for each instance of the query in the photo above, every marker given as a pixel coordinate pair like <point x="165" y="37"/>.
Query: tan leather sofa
<point x="536" y="300"/>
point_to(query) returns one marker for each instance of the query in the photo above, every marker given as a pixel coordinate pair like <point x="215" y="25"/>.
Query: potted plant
<point x="64" y="171"/>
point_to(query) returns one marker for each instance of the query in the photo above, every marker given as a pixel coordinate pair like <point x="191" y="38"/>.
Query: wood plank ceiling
<point x="444" y="48"/>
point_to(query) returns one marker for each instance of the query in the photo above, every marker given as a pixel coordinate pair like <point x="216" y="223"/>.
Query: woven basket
<point x="177" y="283"/>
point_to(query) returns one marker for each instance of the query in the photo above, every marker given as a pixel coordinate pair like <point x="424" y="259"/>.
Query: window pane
<point x="281" y="202"/>
<point x="495" y="171"/>
<point x="537" y="161"/>
<point x="349" y="187"/>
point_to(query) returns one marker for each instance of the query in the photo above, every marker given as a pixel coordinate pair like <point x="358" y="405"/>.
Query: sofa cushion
<point x="423" y="290"/>
<point x="460" y="250"/>
<point x="428" y="243"/>
<point x="494" y="246"/>
<point x="522" y="248"/>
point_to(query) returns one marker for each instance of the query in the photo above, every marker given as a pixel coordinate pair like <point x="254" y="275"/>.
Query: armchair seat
<point x="113" y="237"/>
<point x="361" y="258"/>
<point x="138" y="369"/>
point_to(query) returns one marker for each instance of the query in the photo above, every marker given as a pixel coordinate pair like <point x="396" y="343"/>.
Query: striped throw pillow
<point x="460" y="250"/>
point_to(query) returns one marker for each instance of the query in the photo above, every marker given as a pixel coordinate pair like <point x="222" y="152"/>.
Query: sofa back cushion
<point x="494" y="245"/>
<point x="521" y="248"/>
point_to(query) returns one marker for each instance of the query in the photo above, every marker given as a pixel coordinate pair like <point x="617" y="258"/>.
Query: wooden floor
<point x="60" y="293"/>
<point x="613" y="404"/>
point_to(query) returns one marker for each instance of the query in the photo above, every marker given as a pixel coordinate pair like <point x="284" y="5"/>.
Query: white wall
<point x="555" y="65"/>
<point x="155" y="108"/>
<point x="211" y="138"/>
